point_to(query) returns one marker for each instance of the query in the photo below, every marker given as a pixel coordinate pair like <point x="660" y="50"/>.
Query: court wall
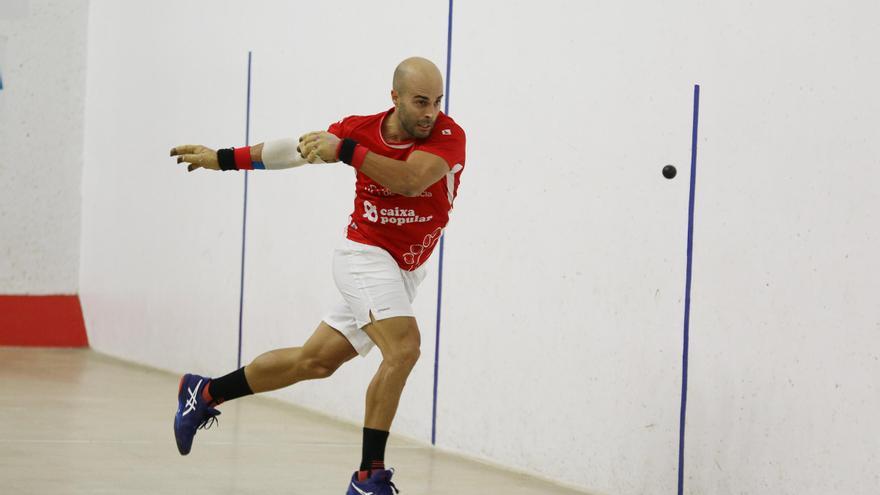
<point x="564" y="278"/>
<point x="567" y="253"/>
<point x="43" y="80"/>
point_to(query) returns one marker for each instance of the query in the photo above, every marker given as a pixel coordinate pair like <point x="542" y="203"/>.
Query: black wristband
<point x="226" y="159"/>
<point x="346" y="150"/>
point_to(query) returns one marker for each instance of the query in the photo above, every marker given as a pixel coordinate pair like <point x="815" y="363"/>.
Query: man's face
<point x="417" y="111"/>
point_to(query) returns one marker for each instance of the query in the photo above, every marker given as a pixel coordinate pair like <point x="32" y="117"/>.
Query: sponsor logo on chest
<point x="393" y="216"/>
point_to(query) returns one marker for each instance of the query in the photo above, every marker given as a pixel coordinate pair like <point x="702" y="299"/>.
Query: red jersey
<point x="408" y="228"/>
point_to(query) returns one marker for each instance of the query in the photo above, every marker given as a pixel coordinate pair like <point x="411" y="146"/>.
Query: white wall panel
<point x="566" y="260"/>
<point x="161" y="247"/>
<point x="786" y="325"/>
<point x="43" y="66"/>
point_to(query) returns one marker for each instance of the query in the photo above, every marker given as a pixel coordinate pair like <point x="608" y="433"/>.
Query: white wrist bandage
<point x="282" y="153"/>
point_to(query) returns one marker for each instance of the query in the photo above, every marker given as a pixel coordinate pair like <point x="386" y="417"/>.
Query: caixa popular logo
<point x="394" y="216"/>
<point x="371" y="213"/>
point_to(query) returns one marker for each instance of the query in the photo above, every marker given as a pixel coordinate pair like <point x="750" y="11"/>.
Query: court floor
<point x="78" y="422"/>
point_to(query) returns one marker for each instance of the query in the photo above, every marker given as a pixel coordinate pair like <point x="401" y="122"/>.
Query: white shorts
<point x="370" y="281"/>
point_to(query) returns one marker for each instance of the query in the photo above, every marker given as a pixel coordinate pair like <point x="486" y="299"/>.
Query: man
<point x="408" y="163"/>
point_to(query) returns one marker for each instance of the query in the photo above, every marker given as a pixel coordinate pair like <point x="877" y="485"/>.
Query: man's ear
<point x="395" y="97"/>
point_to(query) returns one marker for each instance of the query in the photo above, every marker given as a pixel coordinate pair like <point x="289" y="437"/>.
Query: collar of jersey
<point x="397" y="146"/>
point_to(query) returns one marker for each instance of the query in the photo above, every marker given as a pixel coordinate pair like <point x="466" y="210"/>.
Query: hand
<point x="197" y="156"/>
<point x="318" y="146"/>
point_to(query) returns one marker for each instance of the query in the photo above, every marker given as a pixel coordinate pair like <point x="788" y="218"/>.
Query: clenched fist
<point x="319" y="146"/>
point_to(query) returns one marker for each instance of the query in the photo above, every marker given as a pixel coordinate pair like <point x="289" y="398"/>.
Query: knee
<point x="404" y="357"/>
<point x="318" y="368"/>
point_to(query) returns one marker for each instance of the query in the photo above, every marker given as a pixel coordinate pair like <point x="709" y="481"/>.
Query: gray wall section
<point x="41" y="142"/>
<point x="785" y="337"/>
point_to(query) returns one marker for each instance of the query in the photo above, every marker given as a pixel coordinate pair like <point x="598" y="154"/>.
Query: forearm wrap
<point x="282" y="153"/>
<point x="352" y="153"/>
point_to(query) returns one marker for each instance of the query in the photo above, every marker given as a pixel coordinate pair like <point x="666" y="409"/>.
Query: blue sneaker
<point x="377" y="484"/>
<point x="193" y="411"/>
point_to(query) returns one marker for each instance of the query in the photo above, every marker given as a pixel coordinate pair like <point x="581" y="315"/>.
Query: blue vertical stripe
<point x="247" y="140"/>
<point x="442" y="243"/>
<point x="687" y="292"/>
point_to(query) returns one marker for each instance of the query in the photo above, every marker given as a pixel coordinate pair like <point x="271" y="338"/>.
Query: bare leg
<point x="399" y="340"/>
<point x="324" y="352"/>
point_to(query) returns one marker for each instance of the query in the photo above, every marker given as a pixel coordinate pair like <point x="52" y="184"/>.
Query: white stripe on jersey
<point x="450" y="182"/>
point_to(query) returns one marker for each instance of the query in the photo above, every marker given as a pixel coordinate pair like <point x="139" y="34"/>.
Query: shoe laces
<point x="210" y="419"/>
<point x="391" y="483"/>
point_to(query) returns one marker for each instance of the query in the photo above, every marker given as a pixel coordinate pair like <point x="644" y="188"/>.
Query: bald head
<point x="416" y="72"/>
<point x="417" y="91"/>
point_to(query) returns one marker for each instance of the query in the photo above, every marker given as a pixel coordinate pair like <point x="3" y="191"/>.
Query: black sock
<point x="231" y="386"/>
<point x="373" y="452"/>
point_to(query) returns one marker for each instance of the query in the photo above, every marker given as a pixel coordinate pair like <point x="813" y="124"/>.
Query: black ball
<point x="669" y="171"/>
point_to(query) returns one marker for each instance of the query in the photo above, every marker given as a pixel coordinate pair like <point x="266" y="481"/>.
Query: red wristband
<point x="359" y="155"/>
<point x="243" y="158"/>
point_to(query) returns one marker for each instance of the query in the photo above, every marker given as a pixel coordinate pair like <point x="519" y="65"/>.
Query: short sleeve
<point x="448" y="142"/>
<point x="339" y="129"/>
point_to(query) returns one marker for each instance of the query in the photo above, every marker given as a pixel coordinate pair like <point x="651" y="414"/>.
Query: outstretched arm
<point x="271" y="155"/>
<point x="407" y="178"/>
